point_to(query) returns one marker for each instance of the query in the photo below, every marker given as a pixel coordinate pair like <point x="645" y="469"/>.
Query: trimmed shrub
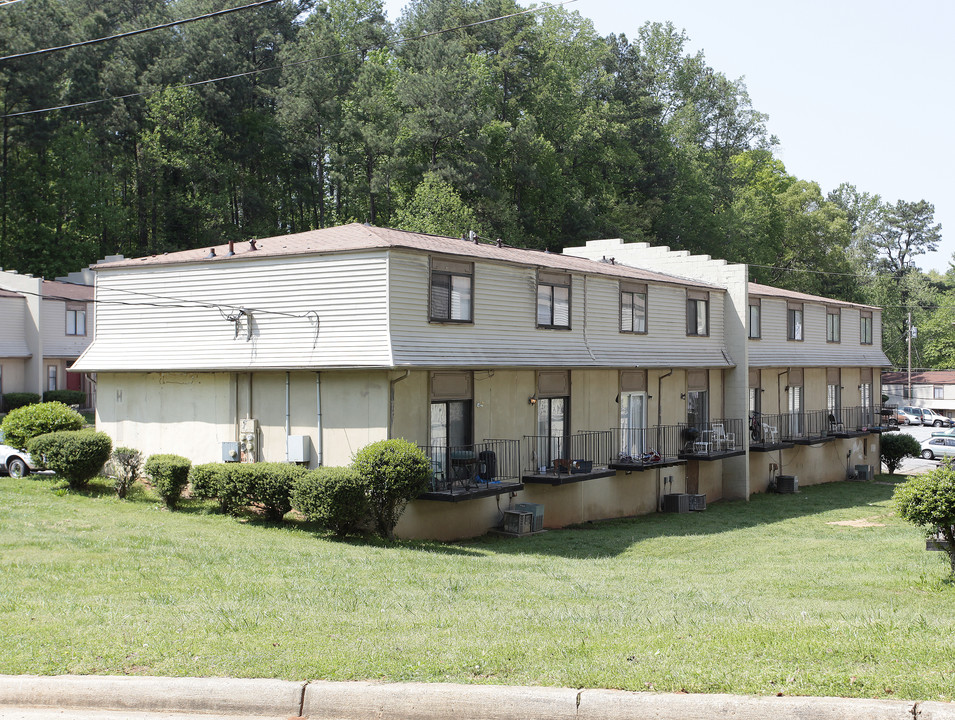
<point x="30" y="421"/>
<point x="895" y="447"/>
<point x="335" y="497"/>
<point x="125" y="466"/>
<point x="67" y="397"/>
<point x="928" y="501"/>
<point x="208" y="481"/>
<point x="170" y="475"/>
<point x="14" y="400"/>
<point x="271" y="487"/>
<point x="394" y="472"/>
<point x="75" y="455"/>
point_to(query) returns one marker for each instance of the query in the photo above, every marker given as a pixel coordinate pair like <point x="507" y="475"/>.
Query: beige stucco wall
<point x="13" y="375"/>
<point x="815" y="464"/>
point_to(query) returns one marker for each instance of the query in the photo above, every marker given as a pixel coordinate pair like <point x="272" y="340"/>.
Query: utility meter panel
<point x="248" y="440"/>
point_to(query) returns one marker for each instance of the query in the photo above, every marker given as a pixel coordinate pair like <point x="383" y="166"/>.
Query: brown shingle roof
<point x="770" y="291"/>
<point x="924" y="377"/>
<point x="53" y="290"/>
<point x="9" y="294"/>
<point x="356" y="236"/>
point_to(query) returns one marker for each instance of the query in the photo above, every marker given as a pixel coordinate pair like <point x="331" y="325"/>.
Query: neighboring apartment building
<point x="591" y="388"/>
<point x="933" y="389"/>
<point x="44" y="327"/>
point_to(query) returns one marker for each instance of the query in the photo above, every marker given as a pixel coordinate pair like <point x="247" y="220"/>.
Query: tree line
<point x="532" y="128"/>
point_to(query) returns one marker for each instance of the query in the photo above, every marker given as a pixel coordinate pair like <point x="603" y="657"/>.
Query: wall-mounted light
<point x="532" y="400"/>
<point x="682" y="396"/>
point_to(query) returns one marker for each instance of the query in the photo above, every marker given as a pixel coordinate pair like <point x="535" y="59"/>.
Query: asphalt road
<point x="916" y="465"/>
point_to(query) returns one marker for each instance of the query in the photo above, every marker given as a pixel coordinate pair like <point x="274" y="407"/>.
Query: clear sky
<point x="858" y="91"/>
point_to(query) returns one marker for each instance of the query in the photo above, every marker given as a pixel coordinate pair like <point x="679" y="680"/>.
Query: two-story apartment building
<point x="933" y="389"/>
<point x="44" y="327"/>
<point x="591" y="388"/>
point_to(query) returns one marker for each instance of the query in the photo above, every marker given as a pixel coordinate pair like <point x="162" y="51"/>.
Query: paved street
<point x="910" y="465"/>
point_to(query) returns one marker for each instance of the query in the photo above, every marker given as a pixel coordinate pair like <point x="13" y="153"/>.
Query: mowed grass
<point x="762" y="597"/>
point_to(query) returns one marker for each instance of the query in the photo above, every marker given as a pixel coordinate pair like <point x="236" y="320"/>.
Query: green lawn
<point x="762" y="597"/>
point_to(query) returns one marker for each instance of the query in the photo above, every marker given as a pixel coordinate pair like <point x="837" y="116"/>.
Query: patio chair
<point x="836" y="425"/>
<point x="770" y="433"/>
<point x="722" y="439"/>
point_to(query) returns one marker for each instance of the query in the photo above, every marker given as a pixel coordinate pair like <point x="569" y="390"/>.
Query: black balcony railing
<point x="574" y="454"/>
<point x="645" y="447"/>
<point x="713" y="439"/>
<point x="483" y="466"/>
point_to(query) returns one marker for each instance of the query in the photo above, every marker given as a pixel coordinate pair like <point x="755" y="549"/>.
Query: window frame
<point x="52" y="374"/>
<point x="552" y="282"/>
<point x="833" y="325"/>
<point x="938" y="392"/>
<point x="76" y="311"/>
<point x="755" y="329"/>
<point x="450" y="269"/>
<point x="865" y="327"/>
<point x="633" y="290"/>
<point x="697" y="300"/>
<point x="795" y="331"/>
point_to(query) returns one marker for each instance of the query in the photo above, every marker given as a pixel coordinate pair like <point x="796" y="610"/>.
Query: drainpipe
<point x="779" y="402"/>
<point x="391" y="402"/>
<point x="660" y="420"/>
<point x="318" y="418"/>
<point x="288" y="427"/>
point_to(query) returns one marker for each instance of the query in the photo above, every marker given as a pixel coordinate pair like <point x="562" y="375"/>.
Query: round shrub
<point x="895" y="447"/>
<point x="30" y="421"/>
<point x="271" y="487"/>
<point x="394" y="472"/>
<point x="77" y="456"/>
<point x="335" y="497"/>
<point x="170" y="475"/>
<point x="125" y="466"/>
<point x="927" y="500"/>
<point x="207" y="482"/>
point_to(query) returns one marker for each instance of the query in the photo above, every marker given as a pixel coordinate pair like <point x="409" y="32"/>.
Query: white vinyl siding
<point x="13" y="342"/>
<point x="505" y="333"/>
<point x="58" y="342"/>
<point x="772" y="350"/>
<point x="180" y="321"/>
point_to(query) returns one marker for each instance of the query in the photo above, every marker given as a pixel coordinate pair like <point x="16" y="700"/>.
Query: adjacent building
<point x="933" y="389"/>
<point x="592" y="384"/>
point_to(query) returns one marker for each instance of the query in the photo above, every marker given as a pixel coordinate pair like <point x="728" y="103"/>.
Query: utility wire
<point x="95" y="41"/>
<point x="283" y="66"/>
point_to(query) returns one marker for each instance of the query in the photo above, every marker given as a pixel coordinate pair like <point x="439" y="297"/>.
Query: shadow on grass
<point x="612" y="537"/>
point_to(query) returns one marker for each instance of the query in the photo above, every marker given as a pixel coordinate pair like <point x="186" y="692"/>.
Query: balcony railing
<point x="645" y="447"/>
<point x="489" y="466"/>
<point x="580" y="453"/>
<point x="713" y="439"/>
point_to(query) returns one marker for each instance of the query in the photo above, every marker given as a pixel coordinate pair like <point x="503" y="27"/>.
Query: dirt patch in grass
<point x="861" y="523"/>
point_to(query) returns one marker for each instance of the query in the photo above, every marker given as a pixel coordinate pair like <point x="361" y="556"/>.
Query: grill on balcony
<point x="461" y="472"/>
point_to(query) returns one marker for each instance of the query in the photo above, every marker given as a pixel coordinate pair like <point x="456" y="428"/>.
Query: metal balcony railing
<point x="469" y="468"/>
<point x="642" y="447"/>
<point x="577" y="453"/>
<point x="712" y="438"/>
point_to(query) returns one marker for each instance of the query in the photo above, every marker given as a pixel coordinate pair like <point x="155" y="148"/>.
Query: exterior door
<point x="633" y="424"/>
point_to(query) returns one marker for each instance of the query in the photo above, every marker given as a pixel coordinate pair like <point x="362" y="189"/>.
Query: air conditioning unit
<point x="864" y="473"/>
<point x="697" y="502"/>
<point x="536" y="510"/>
<point x="787" y="484"/>
<point x="518" y="523"/>
<point x="676" y="503"/>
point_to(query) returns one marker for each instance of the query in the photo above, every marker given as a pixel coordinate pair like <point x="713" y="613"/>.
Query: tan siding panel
<point x="13" y="328"/>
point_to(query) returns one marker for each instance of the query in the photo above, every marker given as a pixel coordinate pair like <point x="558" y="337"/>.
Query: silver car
<point x="16" y="463"/>
<point x="938" y="447"/>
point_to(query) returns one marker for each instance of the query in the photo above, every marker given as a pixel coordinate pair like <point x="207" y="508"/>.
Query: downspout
<point x="318" y="418"/>
<point x="288" y="428"/>
<point x="391" y="402"/>
<point x="586" y="341"/>
<point x="660" y="420"/>
<point x="779" y="401"/>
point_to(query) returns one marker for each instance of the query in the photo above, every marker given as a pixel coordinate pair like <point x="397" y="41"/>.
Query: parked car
<point x="909" y="416"/>
<point x="930" y="417"/>
<point x="944" y="433"/>
<point x="938" y="447"/>
<point x="16" y="463"/>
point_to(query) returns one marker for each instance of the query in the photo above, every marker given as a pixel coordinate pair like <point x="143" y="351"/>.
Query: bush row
<point x="14" y="400"/>
<point x="237" y="485"/>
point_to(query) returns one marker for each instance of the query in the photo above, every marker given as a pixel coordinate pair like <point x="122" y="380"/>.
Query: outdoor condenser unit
<point x="536" y="510"/>
<point x="518" y="523"/>
<point x="787" y="483"/>
<point x="864" y="472"/>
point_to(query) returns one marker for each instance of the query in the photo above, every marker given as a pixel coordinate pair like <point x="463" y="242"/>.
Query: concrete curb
<point x="427" y="701"/>
<point x="154" y="694"/>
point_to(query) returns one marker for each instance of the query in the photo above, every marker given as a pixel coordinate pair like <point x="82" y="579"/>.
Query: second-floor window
<point x="938" y="392"/>
<point x="697" y="313"/>
<point x="553" y="300"/>
<point x="633" y="308"/>
<point x="755" y="328"/>
<point x="833" y="325"/>
<point x="75" y="322"/>
<point x="794" y="321"/>
<point x="452" y="291"/>
<point x="865" y="327"/>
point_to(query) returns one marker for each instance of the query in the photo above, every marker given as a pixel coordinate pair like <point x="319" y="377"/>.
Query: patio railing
<point x="578" y="453"/>
<point x="479" y="466"/>
<point x="645" y="446"/>
<point x="715" y="437"/>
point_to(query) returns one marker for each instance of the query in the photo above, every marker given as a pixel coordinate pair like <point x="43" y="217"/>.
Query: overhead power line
<point x="95" y="41"/>
<point x="297" y="63"/>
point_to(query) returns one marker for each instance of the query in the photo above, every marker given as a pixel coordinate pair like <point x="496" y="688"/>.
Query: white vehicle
<point x="16" y="463"/>
<point x="936" y="448"/>
<point x="930" y="417"/>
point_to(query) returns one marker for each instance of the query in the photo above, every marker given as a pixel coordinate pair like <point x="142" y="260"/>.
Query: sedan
<point x="938" y="447"/>
<point x="16" y="463"/>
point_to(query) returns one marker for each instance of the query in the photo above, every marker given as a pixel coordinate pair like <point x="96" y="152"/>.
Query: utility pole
<point x="909" y="333"/>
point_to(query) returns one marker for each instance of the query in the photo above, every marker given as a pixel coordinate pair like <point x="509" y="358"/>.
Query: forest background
<point x="525" y="126"/>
